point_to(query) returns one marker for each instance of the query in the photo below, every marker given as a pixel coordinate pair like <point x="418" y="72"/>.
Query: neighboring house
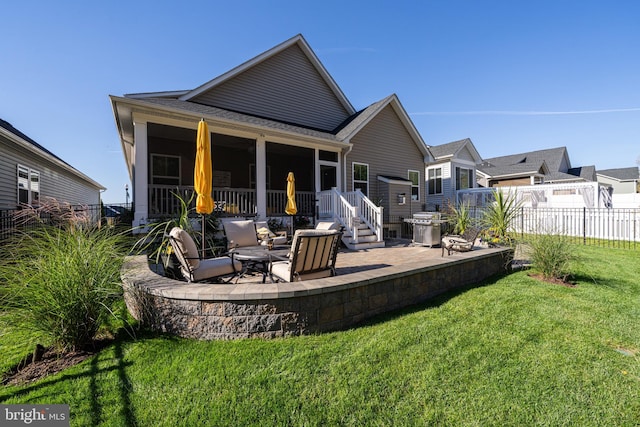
<point x="453" y="169"/>
<point x="29" y="172"/>
<point x="550" y="166"/>
<point x="278" y="112"/>
<point x="624" y="184"/>
<point x="622" y="180"/>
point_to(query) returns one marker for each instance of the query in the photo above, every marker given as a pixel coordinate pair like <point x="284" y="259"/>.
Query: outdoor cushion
<point x="282" y="269"/>
<point x="313" y="256"/>
<point x="187" y="247"/>
<point x="457" y="244"/>
<point x="264" y="234"/>
<point x="241" y="233"/>
<point x="214" y="267"/>
<point x="328" y="225"/>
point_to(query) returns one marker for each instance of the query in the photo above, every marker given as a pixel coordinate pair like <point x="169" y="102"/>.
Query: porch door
<point x="328" y="177"/>
<point x="328" y="168"/>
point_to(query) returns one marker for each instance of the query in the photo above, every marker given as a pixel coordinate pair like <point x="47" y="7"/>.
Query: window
<point x="329" y="156"/>
<point x="165" y="170"/>
<point x="28" y="186"/>
<point x="361" y="177"/>
<point x="464" y="179"/>
<point x="414" y="177"/>
<point x="435" y="181"/>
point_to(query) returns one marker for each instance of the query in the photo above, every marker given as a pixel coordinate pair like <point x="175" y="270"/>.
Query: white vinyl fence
<point x="585" y="223"/>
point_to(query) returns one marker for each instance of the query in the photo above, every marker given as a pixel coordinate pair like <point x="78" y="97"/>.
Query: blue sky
<point x="513" y="76"/>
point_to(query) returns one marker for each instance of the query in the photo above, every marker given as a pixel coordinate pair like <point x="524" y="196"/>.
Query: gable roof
<point x="452" y="149"/>
<point x="9" y="128"/>
<point x="356" y="122"/>
<point x="621" y="174"/>
<point x="297" y="40"/>
<point x="234" y="100"/>
<point x="518" y="169"/>
<point x="21" y="139"/>
<point x="552" y="157"/>
<point x="556" y="161"/>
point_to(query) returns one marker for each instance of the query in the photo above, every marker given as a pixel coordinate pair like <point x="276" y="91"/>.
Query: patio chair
<point x="460" y="243"/>
<point x="328" y="225"/>
<point x="313" y="256"/>
<point x="240" y="233"/>
<point x="265" y="235"/>
<point x="195" y="269"/>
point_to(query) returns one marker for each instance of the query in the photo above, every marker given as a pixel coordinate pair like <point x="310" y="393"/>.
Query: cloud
<point x="522" y="113"/>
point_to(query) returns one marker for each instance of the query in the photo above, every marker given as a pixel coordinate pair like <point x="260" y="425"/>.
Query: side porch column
<point x="261" y="177"/>
<point x="140" y="175"/>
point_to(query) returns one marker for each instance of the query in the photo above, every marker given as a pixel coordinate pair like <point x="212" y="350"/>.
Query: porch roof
<point x="124" y="108"/>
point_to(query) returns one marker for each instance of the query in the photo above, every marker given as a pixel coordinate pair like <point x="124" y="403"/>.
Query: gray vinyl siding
<point x="386" y="146"/>
<point x="465" y="154"/>
<point x="54" y="181"/>
<point x="285" y="87"/>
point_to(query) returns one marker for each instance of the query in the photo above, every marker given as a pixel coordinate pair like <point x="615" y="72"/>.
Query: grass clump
<point x="551" y="255"/>
<point x="59" y="282"/>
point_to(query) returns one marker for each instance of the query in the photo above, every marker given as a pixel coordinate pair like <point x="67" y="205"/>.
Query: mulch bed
<point x="553" y="280"/>
<point x="49" y="361"/>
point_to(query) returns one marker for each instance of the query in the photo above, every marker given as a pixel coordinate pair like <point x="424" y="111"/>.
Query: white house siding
<point x="618" y="187"/>
<point x="386" y="146"/>
<point x="448" y="187"/>
<point x="285" y="87"/>
<point x="54" y="181"/>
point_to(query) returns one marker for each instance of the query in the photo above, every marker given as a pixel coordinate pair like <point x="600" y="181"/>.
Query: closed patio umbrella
<point x="291" y="208"/>
<point x="202" y="174"/>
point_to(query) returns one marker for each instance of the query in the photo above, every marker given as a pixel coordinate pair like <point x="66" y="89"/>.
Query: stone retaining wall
<point x="228" y="311"/>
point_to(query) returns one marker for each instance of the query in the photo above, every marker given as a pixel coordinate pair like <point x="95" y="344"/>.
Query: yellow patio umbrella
<point x="202" y="174"/>
<point x="291" y="208"/>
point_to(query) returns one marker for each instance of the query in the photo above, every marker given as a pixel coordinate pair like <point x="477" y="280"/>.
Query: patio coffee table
<point x="255" y="259"/>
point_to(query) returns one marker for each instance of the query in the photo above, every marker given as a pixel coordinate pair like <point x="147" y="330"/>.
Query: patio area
<point x="368" y="283"/>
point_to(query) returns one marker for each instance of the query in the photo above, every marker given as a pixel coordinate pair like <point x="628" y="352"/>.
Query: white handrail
<point x="347" y="207"/>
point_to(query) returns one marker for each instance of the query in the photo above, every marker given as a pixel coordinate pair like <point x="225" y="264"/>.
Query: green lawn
<point x="512" y="352"/>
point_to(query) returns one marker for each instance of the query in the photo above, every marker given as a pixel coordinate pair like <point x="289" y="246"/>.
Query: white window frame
<point x="435" y="179"/>
<point x="417" y="196"/>
<point x="360" y="181"/>
<point x="31" y="188"/>
<point x="153" y="175"/>
<point x="458" y="177"/>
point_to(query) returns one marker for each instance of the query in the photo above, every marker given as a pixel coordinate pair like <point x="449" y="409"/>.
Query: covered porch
<point x="249" y="173"/>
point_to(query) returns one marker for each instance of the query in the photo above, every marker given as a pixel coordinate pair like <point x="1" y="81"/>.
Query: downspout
<point x="344" y="166"/>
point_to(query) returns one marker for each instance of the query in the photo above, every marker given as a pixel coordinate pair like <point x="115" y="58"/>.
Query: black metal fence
<point x="13" y="221"/>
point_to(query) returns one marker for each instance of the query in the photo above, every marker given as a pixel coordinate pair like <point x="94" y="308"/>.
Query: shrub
<point x="460" y="217"/>
<point x="551" y="255"/>
<point x="498" y="216"/>
<point x="62" y="281"/>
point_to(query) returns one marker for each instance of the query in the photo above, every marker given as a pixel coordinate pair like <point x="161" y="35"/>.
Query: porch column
<point x="261" y="176"/>
<point x="140" y="175"/>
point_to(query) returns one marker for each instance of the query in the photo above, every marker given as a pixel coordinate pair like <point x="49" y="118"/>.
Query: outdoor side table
<point x="255" y="259"/>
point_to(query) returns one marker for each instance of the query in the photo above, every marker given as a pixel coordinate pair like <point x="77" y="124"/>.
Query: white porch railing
<point x="350" y="209"/>
<point x="233" y="201"/>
